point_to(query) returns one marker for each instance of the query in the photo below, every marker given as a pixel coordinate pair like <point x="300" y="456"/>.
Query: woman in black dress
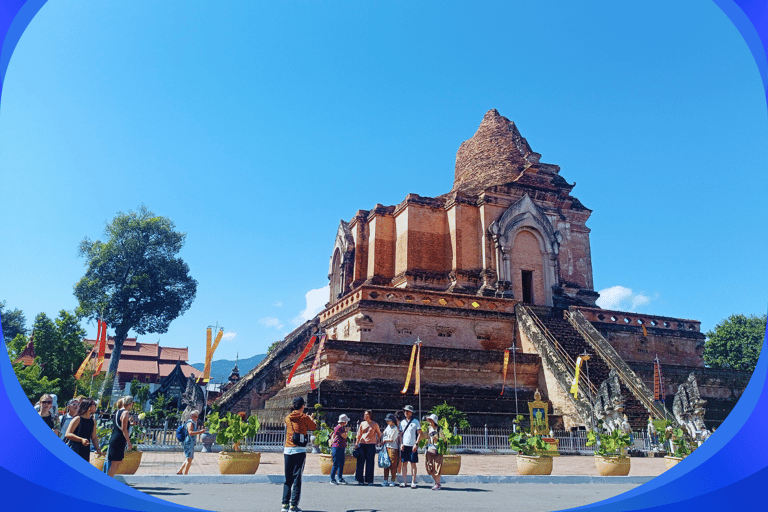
<point x="120" y="438"/>
<point x="82" y="429"/>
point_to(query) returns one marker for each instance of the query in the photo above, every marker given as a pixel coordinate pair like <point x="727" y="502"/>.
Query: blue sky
<point x="257" y="126"/>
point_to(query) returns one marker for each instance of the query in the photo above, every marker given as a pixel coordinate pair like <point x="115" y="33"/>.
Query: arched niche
<point x="342" y="263"/>
<point x="524" y="216"/>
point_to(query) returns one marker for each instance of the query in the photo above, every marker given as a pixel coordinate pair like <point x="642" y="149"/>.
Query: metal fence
<point x="271" y="438"/>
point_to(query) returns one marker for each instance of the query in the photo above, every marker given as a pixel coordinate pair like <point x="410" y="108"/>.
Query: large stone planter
<point x="130" y="464"/>
<point x="671" y="461"/>
<point x="97" y="461"/>
<point x="612" y="466"/>
<point x="534" y="465"/>
<point x="451" y="464"/>
<point x="326" y="464"/>
<point x="239" y="463"/>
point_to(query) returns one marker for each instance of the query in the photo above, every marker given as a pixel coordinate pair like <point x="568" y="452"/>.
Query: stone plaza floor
<point x="167" y="463"/>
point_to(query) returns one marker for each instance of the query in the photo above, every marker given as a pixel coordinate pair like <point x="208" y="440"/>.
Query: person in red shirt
<point x="297" y="426"/>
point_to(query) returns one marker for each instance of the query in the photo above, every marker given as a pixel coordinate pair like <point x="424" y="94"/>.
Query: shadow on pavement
<point x="159" y="491"/>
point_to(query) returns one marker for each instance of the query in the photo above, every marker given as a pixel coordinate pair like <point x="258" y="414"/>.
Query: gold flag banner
<point x="575" y="385"/>
<point x="418" y="371"/>
<point x="506" y="363"/>
<point x="85" y="362"/>
<point x="210" y="350"/>
<point x="316" y="362"/>
<point x="410" y="369"/>
<point x="207" y="352"/>
<point x="301" y="358"/>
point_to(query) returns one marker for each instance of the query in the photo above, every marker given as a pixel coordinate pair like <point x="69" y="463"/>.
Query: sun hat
<point x="433" y="417"/>
<point x="408" y="408"/>
<point x="390" y="417"/>
<point x="343" y="418"/>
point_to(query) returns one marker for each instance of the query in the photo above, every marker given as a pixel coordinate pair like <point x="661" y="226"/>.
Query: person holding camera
<point x="338" y="447"/>
<point x="297" y="425"/>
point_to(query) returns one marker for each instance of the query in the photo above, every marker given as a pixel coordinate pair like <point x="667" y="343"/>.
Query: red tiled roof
<point x="27" y="356"/>
<point x="134" y="366"/>
<point x="174" y="354"/>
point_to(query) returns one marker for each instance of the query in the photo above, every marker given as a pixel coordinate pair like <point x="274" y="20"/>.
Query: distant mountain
<point x="222" y="368"/>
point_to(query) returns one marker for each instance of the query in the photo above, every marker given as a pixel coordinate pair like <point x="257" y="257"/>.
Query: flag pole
<point x="418" y="342"/>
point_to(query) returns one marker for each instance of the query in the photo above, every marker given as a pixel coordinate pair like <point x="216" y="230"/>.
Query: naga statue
<point x="609" y="405"/>
<point x="688" y="408"/>
<point x="192" y="397"/>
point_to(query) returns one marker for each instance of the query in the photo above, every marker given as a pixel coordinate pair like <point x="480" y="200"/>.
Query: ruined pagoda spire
<point x="495" y="155"/>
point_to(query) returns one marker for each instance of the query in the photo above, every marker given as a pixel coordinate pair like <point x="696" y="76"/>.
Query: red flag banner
<point x="506" y="364"/>
<point x="410" y="369"/>
<point x="417" y="387"/>
<point x="102" y="342"/>
<point x="301" y="358"/>
<point x="316" y="362"/>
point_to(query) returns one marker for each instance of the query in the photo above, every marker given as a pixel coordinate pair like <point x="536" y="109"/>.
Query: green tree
<point x="59" y="350"/>
<point x="454" y="416"/>
<point x="33" y="384"/>
<point x="14" y="322"/>
<point x="135" y="280"/>
<point x="735" y="343"/>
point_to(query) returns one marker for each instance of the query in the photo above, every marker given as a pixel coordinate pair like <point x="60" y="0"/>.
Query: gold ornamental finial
<point x="537" y="395"/>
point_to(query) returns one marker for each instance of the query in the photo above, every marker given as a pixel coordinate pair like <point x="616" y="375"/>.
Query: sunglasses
<point x="46" y="402"/>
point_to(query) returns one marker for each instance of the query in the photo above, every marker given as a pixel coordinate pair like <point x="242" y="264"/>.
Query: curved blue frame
<point x="728" y="472"/>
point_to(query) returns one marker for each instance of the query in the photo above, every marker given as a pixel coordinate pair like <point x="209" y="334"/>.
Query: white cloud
<point x="271" y="322"/>
<point x="621" y="298"/>
<point x="316" y="301"/>
<point x="278" y="304"/>
<point x="229" y="336"/>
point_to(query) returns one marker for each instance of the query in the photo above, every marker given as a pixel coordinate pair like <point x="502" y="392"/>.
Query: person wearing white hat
<point x="338" y="443"/>
<point x="411" y="429"/>
<point x="434" y="459"/>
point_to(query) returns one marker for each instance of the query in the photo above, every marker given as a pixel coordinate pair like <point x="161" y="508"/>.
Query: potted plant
<point x="103" y="431"/>
<point x="230" y="430"/>
<point x="610" y="456"/>
<point x="322" y="439"/>
<point x="531" y="449"/>
<point x="680" y="444"/>
<point x="446" y="439"/>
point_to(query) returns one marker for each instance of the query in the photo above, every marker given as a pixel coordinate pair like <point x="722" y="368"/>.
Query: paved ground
<point x="486" y="482"/>
<point x="167" y="463"/>
<point x="322" y="497"/>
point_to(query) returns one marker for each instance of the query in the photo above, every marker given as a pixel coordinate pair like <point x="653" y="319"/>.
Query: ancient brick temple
<point x="502" y="260"/>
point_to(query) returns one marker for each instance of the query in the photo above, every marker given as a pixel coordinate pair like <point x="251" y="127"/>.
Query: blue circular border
<point x="728" y="472"/>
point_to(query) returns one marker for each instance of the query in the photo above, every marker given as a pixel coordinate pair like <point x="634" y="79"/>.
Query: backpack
<point x="181" y="432"/>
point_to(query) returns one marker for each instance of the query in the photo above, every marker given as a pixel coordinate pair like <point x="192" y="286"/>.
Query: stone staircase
<point x="599" y="365"/>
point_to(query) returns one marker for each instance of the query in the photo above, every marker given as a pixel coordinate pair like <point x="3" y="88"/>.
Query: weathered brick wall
<point x="720" y="388"/>
<point x="381" y="245"/>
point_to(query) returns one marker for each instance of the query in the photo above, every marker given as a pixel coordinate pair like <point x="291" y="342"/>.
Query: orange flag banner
<point x="410" y="370"/>
<point x="301" y="357"/>
<point x="417" y="388"/>
<point x="209" y="350"/>
<point x="102" y="342"/>
<point x="316" y="362"/>
<point x="506" y="364"/>
<point x="85" y="362"/>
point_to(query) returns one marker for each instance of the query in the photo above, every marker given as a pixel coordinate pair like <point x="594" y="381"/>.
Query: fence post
<point x="165" y="429"/>
<point x="455" y="431"/>
<point x="486" y="436"/>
